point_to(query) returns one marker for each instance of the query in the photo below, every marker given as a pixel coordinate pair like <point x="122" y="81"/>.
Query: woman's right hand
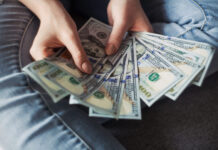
<point x="57" y="29"/>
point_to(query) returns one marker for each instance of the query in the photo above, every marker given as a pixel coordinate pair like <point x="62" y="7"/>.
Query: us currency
<point x="36" y="70"/>
<point x="181" y="51"/>
<point x="156" y="74"/>
<point x="94" y="36"/>
<point x="203" y="49"/>
<point x="82" y="90"/>
<point x="113" y="91"/>
<point x="131" y="106"/>
<point x="188" y="67"/>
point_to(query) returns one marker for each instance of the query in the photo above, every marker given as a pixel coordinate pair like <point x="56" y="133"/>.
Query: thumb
<point x="115" y="38"/>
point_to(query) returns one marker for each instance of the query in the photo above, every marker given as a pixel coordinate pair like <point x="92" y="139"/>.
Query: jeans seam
<point x="49" y="109"/>
<point x="187" y="30"/>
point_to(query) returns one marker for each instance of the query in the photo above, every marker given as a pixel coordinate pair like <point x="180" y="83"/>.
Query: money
<point x="156" y="74"/>
<point x="188" y="67"/>
<point x="113" y="91"/>
<point x="94" y="36"/>
<point x="180" y="51"/>
<point x="81" y="90"/>
<point x="131" y="106"/>
<point x="36" y="70"/>
<point x="146" y="67"/>
<point x="203" y="49"/>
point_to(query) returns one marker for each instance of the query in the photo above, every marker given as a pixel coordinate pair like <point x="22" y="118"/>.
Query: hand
<point x="125" y="15"/>
<point x="57" y="29"/>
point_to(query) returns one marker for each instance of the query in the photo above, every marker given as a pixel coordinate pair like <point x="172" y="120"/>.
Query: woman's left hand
<point x="125" y="15"/>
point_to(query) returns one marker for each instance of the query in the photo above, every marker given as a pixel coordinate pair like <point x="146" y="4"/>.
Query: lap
<point x="29" y="119"/>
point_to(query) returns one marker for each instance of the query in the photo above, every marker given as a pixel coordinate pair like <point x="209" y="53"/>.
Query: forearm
<point x="43" y="8"/>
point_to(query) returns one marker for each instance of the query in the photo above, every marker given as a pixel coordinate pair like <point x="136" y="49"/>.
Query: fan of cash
<point x="146" y="67"/>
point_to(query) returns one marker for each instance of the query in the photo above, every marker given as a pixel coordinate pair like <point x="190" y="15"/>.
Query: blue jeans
<point x="30" y="120"/>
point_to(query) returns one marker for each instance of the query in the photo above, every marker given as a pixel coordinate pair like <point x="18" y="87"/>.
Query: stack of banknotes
<point x="146" y="67"/>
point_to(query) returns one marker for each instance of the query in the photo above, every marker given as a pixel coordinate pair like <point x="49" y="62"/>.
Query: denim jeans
<point x="29" y="118"/>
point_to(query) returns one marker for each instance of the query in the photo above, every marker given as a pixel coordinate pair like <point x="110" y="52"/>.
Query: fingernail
<point x="110" y="49"/>
<point x="87" y="67"/>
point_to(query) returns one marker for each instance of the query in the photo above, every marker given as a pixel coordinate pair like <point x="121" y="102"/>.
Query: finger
<point x="142" y="25"/>
<point x="146" y="24"/>
<point x="115" y="38"/>
<point x="73" y="44"/>
<point x="39" y="52"/>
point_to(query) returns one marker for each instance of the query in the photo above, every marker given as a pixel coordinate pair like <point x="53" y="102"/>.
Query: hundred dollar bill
<point x="110" y="93"/>
<point x="203" y="49"/>
<point x="156" y="74"/>
<point x="188" y="67"/>
<point x="82" y="89"/>
<point x="36" y="71"/>
<point x="181" y="51"/>
<point x="131" y="106"/>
